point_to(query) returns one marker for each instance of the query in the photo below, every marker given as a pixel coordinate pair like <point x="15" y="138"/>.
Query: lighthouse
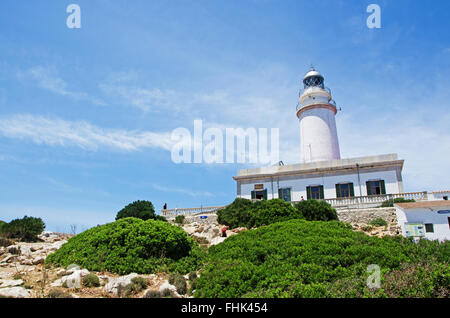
<point x="316" y="112"/>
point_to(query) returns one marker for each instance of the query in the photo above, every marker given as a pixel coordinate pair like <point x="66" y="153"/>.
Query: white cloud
<point x="58" y="132"/>
<point x="50" y="81"/>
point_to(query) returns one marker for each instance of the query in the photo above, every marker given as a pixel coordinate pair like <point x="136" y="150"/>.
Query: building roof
<point x="423" y="204"/>
<point x="321" y="167"/>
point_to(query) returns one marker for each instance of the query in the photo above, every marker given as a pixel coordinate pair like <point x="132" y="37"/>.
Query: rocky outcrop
<point x="15" y="292"/>
<point x="114" y="283"/>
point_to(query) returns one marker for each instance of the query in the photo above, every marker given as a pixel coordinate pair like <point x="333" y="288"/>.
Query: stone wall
<point x="364" y="216"/>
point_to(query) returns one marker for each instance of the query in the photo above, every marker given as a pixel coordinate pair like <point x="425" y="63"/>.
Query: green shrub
<point x="57" y="293"/>
<point x="245" y="213"/>
<point x="91" y="280"/>
<point x="179" y="219"/>
<point x="2" y="223"/>
<point x="153" y="293"/>
<point x="378" y="222"/>
<point x="179" y="282"/>
<point x="5" y="242"/>
<point x="166" y="293"/>
<point x="299" y="258"/>
<point x="131" y="245"/>
<point x="137" y="285"/>
<point x="314" y="210"/>
<point x="236" y="214"/>
<point x="143" y="210"/>
<point x="26" y="229"/>
<point x="390" y="203"/>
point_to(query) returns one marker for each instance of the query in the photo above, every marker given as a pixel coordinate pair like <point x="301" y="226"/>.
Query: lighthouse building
<point x="322" y="174"/>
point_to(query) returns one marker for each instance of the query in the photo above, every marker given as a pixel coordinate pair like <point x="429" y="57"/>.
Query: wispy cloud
<point x="183" y="191"/>
<point x="59" y="132"/>
<point x="49" y="80"/>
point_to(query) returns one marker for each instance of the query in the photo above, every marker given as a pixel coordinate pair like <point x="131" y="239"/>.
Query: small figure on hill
<point x="224" y="231"/>
<point x="302" y="199"/>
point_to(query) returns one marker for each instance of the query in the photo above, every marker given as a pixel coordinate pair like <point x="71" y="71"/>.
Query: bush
<point x="390" y="203"/>
<point x="2" y="223"/>
<point x="179" y="219"/>
<point x="143" y="210"/>
<point x="179" y="282"/>
<point x="57" y="293"/>
<point x="131" y="245"/>
<point x="299" y="258"/>
<point x="378" y="222"/>
<point x="26" y="229"/>
<point x="314" y="210"/>
<point x="5" y="242"/>
<point x="137" y="285"/>
<point x="236" y="214"/>
<point x="245" y="213"/>
<point x="91" y="280"/>
<point x="153" y="293"/>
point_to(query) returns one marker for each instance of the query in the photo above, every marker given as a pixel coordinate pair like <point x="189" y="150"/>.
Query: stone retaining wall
<point x="364" y="216"/>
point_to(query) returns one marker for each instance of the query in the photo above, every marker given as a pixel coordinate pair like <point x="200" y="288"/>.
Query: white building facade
<point x="428" y="219"/>
<point x="322" y="173"/>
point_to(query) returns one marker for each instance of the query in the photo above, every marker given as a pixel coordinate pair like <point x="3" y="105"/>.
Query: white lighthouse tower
<point x="316" y="111"/>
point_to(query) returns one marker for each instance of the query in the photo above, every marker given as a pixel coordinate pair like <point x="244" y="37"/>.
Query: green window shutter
<point x="338" y="190"/>
<point x="308" y="193"/>
<point x="322" y="196"/>
<point x="288" y="195"/>
<point x="280" y="194"/>
<point x="368" y="188"/>
<point x="265" y="194"/>
<point x="253" y="195"/>
<point x="352" y="190"/>
<point x="383" y="187"/>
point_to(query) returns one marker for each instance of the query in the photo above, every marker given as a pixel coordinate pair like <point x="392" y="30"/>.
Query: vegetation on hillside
<point x="390" y="203"/>
<point x="246" y="213"/>
<point x="131" y="245"/>
<point x="299" y="258"/>
<point x="25" y="229"/>
<point x="143" y="210"/>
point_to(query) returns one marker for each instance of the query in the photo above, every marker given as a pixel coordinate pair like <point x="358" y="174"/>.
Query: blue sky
<point x="86" y="114"/>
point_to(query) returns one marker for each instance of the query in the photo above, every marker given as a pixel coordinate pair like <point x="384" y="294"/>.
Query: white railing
<point x="355" y="202"/>
<point x="190" y="211"/>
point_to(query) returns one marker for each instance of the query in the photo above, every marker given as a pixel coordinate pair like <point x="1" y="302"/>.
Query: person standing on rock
<point x="224" y="231"/>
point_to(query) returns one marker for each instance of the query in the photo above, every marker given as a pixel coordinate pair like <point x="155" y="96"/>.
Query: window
<point x="285" y="194"/>
<point x="429" y="228"/>
<point x="345" y="190"/>
<point x="376" y="187"/>
<point x="259" y="195"/>
<point x="315" y="192"/>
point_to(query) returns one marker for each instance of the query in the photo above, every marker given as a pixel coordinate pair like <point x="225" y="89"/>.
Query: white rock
<point x="71" y="281"/>
<point x="170" y="287"/>
<point x="14" y="292"/>
<point x="114" y="283"/>
<point x="56" y="246"/>
<point x="38" y="260"/>
<point x="217" y="240"/>
<point x="25" y="250"/>
<point x="2" y="250"/>
<point x="10" y="283"/>
<point x="27" y="262"/>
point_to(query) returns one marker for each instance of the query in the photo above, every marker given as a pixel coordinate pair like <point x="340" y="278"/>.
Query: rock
<point x="25" y="250"/>
<point x="170" y="287"/>
<point x="38" y="260"/>
<point x="14" y="292"/>
<point x="27" y="262"/>
<point x="9" y="258"/>
<point x="62" y="272"/>
<point x="217" y="240"/>
<point x="56" y="246"/>
<point x="71" y="281"/>
<point x="115" y="282"/>
<point x="10" y="283"/>
<point x="2" y="250"/>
